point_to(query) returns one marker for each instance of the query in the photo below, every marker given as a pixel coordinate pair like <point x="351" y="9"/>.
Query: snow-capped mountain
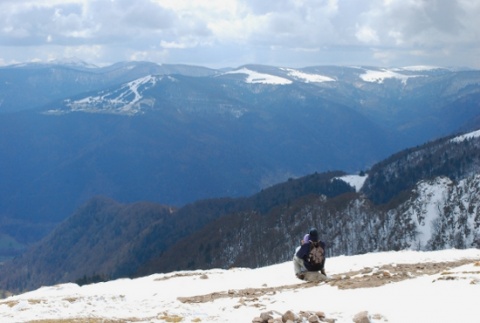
<point x="175" y="134"/>
<point x="331" y="83"/>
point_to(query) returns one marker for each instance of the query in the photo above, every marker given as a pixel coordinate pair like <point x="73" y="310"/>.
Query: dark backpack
<point x="317" y="254"/>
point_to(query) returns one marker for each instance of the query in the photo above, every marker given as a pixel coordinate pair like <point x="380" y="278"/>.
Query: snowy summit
<point x="404" y="286"/>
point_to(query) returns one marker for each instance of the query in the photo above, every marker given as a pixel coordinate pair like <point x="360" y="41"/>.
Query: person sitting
<point x="310" y="257"/>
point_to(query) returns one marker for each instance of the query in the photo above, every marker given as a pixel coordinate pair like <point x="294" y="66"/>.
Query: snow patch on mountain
<point x="379" y="76"/>
<point x="257" y="77"/>
<point x="445" y="213"/>
<point x="470" y="135"/>
<point x="355" y="181"/>
<point x="127" y="100"/>
<point x="431" y="199"/>
<point x="307" y="77"/>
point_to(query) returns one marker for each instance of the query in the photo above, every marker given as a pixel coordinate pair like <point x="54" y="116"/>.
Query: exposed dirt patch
<point x="9" y="303"/>
<point x="378" y="276"/>
<point x="249" y="293"/>
<point x="365" y="278"/>
<point x="176" y="275"/>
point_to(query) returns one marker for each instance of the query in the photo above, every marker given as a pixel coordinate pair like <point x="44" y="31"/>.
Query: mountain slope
<point x="46" y="83"/>
<point x="100" y="239"/>
<point x="174" y="134"/>
<point x="104" y="238"/>
<point x="188" y="149"/>
<point x="434" y="211"/>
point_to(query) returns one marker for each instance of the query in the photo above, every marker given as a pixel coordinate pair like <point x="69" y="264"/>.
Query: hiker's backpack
<point x="316" y="255"/>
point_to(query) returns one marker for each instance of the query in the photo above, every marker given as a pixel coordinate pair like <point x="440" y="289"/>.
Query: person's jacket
<point x="303" y="253"/>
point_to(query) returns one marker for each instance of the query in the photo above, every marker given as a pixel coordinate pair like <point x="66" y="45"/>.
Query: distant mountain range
<point x="176" y="134"/>
<point x="422" y="198"/>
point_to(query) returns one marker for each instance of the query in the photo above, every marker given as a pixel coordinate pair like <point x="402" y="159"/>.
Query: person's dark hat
<point x="313" y="234"/>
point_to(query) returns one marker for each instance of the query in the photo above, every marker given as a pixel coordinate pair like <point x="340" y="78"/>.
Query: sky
<point x="231" y="33"/>
<point x="448" y="295"/>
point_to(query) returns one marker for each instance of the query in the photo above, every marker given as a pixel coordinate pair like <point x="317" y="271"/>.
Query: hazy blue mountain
<point x="29" y="86"/>
<point x="174" y="134"/>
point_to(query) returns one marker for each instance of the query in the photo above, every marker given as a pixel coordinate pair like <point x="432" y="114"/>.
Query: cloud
<point x="235" y="32"/>
<point x="367" y="35"/>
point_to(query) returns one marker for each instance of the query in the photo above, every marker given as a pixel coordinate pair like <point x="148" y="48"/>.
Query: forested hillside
<point x="427" y="200"/>
<point x="432" y="203"/>
<point x="105" y="239"/>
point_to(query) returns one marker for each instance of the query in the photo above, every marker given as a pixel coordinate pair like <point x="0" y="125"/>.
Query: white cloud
<point x="177" y="45"/>
<point x="367" y="35"/>
<point x="292" y="32"/>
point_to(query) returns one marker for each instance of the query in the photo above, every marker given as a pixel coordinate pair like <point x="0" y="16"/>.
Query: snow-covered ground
<point x="449" y="293"/>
